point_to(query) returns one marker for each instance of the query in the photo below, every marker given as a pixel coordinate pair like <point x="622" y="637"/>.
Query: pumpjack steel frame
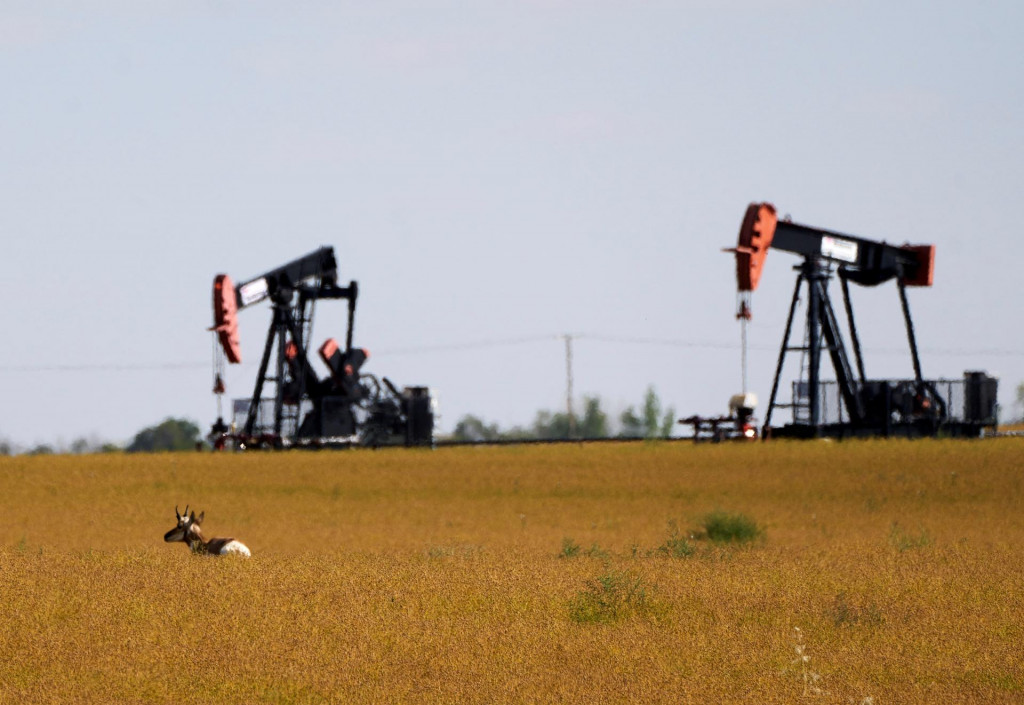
<point x="305" y="408"/>
<point x="873" y="407"/>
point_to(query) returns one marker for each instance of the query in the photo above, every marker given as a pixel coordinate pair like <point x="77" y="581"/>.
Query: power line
<point x="950" y="352"/>
<point x="468" y="345"/>
<point x="496" y="343"/>
<point x="506" y="342"/>
<point x="664" y="342"/>
<point x="107" y="367"/>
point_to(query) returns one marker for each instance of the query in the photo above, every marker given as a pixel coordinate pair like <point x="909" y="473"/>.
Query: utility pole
<point x="568" y="385"/>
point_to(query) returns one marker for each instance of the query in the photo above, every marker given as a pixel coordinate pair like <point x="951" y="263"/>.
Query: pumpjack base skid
<point x="902" y="408"/>
<point x="922" y="429"/>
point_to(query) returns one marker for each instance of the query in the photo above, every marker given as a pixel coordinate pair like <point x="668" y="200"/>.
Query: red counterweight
<point x="756" y="233"/>
<point x="925" y="273"/>
<point x="225" y="317"/>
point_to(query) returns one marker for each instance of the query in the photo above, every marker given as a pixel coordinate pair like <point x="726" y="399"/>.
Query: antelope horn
<point x="176" y="512"/>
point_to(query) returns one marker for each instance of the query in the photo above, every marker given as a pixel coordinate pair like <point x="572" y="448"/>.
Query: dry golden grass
<point x="437" y="576"/>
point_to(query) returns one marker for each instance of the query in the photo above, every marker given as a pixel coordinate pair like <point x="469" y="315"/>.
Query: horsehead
<point x="187" y="531"/>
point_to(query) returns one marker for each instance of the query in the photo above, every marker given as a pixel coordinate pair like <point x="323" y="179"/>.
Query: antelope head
<point x="187" y="528"/>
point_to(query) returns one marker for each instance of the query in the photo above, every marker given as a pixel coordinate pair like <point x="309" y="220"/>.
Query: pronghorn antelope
<point x="187" y="531"/>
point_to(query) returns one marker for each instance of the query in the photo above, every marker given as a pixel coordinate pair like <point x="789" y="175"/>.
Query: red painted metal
<point x="756" y="233"/>
<point x="328" y="349"/>
<point x="225" y="317"/>
<point x="925" y="265"/>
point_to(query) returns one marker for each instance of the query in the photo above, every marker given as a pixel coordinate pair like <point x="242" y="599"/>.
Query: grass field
<point x="878" y="572"/>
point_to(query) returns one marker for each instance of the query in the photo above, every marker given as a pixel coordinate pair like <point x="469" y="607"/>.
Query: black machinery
<point x="346" y="407"/>
<point x="739" y="425"/>
<point x="854" y="405"/>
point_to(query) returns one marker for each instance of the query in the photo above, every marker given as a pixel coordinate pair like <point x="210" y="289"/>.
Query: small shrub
<point x="903" y="541"/>
<point x="724" y="527"/>
<point x="570" y="549"/>
<point x="845" y="612"/>
<point x="676" y="545"/>
<point x="611" y="597"/>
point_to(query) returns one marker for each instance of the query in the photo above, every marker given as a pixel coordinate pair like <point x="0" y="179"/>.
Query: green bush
<point x="676" y="545"/>
<point x="570" y="549"/>
<point x="611" y="597"/>
<point x="725" y="527"/>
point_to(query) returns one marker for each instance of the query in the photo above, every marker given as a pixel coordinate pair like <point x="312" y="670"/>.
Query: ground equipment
<point x="739" y="425"/>
<point x="347" y="406"/>
<point x="853" y="404"/>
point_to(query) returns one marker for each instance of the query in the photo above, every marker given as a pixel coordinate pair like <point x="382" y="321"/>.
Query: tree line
<point x="169" y="434"/>
<point x="648" y="420"/>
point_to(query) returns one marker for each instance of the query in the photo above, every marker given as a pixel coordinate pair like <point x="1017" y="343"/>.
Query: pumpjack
<point x="853" y="404"/>
<point x="346" y="407"/>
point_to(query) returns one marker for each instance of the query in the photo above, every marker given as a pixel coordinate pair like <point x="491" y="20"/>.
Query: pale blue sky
<point x="490" y="171"/>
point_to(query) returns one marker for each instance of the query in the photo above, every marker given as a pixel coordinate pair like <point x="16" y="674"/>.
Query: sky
<point x="497" y="176"/>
